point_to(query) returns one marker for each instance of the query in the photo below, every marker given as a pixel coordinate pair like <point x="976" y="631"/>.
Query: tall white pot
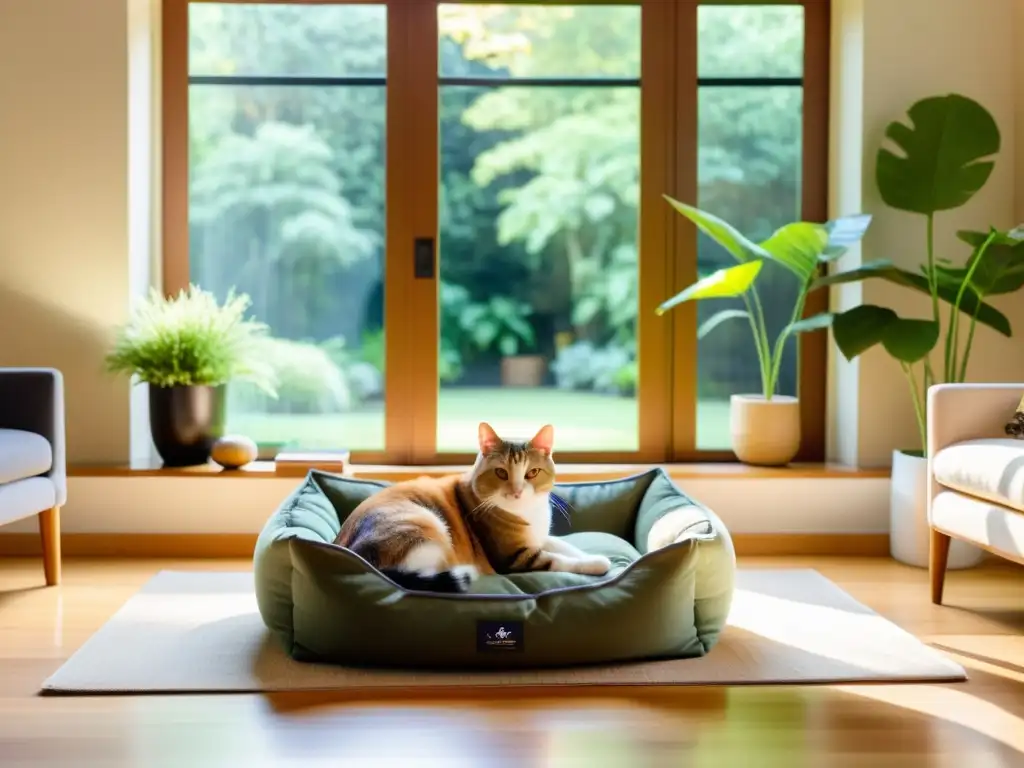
<point x="908" y="517"/>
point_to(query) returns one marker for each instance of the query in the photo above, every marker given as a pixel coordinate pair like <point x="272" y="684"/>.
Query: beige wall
<point x="64" y="204"/>
<point x="895" y="52"/>
<point x="70" y="209"/>
<point x="1018" y="209"/>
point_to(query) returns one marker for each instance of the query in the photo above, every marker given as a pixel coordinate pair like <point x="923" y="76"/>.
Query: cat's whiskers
<point x="484" y="506"/>
<point x="562" y="506"/>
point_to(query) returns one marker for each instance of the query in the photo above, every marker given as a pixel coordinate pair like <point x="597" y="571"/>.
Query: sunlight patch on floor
<point x="950" y="704"/>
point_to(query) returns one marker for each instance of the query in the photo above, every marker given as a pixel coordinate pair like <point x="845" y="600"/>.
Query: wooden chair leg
<point x="938" y="555"/>
<point x="49" y="532"/>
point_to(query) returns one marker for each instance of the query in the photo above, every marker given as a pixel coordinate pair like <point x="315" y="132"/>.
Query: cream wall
<point x="1019" y="112"/>
<point x="886" y="55"/>
<point x="64" y="276"/>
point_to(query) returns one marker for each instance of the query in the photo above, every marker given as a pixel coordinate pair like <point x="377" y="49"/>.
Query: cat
<point x="440" y="533"/>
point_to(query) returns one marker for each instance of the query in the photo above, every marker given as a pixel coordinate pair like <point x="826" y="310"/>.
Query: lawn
<point x="583" y="421"/>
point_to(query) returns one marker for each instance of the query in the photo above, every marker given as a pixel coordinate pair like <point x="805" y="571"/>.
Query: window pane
<point x="287" y="39"/>
<point x="750" y="175"/>
<point x="750" y="41"/>
<point x="502" y="40"/>
<point x="538" y="247"/>
<point x="287" y="205"/>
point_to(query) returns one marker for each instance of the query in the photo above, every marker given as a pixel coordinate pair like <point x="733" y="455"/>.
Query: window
<point x="452" y="212"/>
<point x="749" y="160"/>
<point x="540" y="162"/>
<point x="287" y="117"/>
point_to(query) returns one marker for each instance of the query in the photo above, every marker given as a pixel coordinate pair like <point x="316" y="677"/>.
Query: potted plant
<point x="945" y="158"/>
<point x="187" y="348"/>
<point x="765" y="426"/>
<point x="501" y="323"/>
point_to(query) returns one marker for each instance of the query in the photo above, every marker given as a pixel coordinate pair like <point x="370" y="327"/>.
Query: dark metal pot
<point x="185" y="422"/>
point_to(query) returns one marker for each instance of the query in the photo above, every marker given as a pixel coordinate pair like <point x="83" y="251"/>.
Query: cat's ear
<point x="487" y="437"/>
<point x="544" y="440"/>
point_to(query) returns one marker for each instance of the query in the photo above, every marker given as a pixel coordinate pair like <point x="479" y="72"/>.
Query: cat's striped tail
<point x="455" y="580"/>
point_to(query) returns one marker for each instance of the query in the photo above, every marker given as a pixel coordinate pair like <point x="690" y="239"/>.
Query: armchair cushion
<point x="986" y="468"/>
<point x="23" y="454"/>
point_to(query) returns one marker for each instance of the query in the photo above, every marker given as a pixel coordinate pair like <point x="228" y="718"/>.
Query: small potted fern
<point x="187" y="348"/>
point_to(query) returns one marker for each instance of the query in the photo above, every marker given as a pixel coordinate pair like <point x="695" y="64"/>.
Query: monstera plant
<point x="942" y="156"/>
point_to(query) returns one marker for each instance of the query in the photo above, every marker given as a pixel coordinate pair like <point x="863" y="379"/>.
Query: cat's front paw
<point x="595" y="565"/>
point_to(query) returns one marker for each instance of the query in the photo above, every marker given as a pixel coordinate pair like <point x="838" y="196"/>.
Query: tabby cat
<point x="438" y="534"/>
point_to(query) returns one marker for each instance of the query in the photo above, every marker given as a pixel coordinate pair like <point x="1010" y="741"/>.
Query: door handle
<point x="423" y="258"/>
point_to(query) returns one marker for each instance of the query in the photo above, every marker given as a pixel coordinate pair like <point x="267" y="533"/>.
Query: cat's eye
<point x="533" y="473"/>
<point x="501" y="473"/>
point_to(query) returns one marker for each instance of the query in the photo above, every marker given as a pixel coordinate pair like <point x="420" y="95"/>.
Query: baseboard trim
<point x="240" y="545"/>
<point x="825" y="544"/>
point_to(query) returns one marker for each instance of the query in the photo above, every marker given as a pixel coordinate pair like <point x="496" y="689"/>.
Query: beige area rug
<point x="200" y="632"/>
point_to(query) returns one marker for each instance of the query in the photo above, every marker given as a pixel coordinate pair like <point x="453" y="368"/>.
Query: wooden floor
<point x="978" y="724"/>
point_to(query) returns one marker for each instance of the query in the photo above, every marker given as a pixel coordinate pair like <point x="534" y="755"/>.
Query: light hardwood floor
<point x="978" y="724"/>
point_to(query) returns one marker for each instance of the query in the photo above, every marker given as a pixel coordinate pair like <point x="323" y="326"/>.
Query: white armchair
<point x="975" y="473"/>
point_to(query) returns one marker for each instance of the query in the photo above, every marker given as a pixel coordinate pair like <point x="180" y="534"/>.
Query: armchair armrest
<point x="958" y="412"/>
<point x="32" y="399"/>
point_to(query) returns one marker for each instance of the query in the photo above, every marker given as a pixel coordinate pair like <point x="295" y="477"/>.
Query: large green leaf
<point x="1000" y="267"/>
<point x="859" y="329"/>
<point x="721" y="231"/>
<point x="718" y="318"/>
<point x="797" y="247"/>
<point x="944" y="155"/>
<point x="726" y="283"/>
<point x="947" y="291"/>
<point x="844" y="232"/>
<point x="973" y="238"/>
<point x="807" y="325"/>
<point x="812" y="323"/>
<point x="910" y="340"/>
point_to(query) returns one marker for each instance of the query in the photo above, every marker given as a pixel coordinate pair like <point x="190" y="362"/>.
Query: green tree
<point x="275" y="197"/>
<point x="539" y="185"/>
<point x="310" y="293"/>
<point x="575" y="209"/>
<point x="579" y="149"/>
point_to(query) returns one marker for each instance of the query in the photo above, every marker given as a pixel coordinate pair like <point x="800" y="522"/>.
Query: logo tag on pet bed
<point x="499" y="636"/>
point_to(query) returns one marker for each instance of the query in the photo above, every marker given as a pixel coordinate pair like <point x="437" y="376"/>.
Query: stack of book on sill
<point x="297" y="462"/>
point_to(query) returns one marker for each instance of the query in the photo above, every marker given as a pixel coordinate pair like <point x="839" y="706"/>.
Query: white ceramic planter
<point x="908" y="517"/>
<point x="765" y="432"/>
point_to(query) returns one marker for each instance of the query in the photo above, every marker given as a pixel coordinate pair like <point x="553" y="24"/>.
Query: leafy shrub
<point x="309" y="381"/>
<point x="625" y="378"/>
<point x="372" y="350"/>
<point x="499" y="323"/>
<point x="583" y="366"/>
<point x="365" y="382"/>
<point x="572" y="368"/>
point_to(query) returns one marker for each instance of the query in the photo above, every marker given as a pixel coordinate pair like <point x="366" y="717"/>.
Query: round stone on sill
<point x="234" y="451"/>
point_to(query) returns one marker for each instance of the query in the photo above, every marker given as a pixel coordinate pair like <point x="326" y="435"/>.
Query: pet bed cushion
<point x="326" y="604"/>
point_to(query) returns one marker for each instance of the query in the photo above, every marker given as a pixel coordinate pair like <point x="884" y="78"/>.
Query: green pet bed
<point x="326" y="604"/>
